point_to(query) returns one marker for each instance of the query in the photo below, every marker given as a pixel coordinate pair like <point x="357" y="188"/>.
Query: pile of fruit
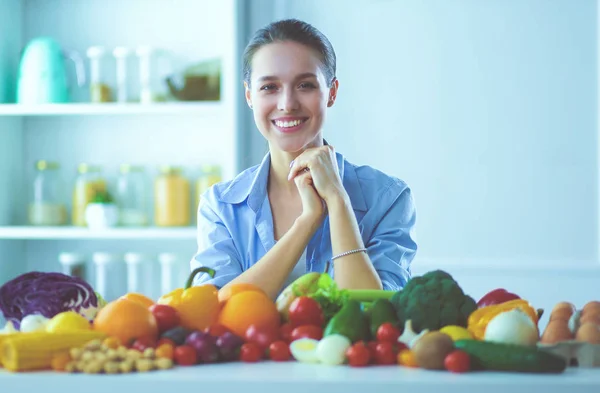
<point x="431" y="324"/>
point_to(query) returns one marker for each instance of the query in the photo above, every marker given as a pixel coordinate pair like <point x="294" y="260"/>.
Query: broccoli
<point x="433" y="301"/>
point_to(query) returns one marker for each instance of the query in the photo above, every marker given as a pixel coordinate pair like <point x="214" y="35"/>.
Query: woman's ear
<point x="333" y="92"/>
<point x="248" y="95"/>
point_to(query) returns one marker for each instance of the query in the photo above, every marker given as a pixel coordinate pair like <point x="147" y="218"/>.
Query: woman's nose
<point x="288" y="101"/>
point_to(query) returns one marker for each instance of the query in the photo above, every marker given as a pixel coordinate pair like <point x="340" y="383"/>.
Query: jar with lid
<point x="89" y="181"/>
<point x="73" y="264"/>
<point x="131" y="194"/>
<point x="47" y="205"/>
<point x="140" y="275"/>
<point x="100" y="90"/>
<point x="173" y="272"/>
<point x="110" y="275"/>
<point x="209" y="175"/>
<point x="171" y="198"/>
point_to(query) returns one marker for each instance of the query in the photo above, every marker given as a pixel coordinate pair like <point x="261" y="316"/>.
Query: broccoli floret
<point x="433" y="301"/>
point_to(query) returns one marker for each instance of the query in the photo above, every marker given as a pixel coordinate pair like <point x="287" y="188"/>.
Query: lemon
<point x="68" y="321"/>
<point x="456" y="332"/>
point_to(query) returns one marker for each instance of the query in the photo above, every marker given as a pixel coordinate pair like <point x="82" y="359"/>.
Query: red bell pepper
<point x="496" y="296"/>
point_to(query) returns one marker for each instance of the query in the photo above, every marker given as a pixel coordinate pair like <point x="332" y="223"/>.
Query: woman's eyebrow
<point x="274" y="78"/>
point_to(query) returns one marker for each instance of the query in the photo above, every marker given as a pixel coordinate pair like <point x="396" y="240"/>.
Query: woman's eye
<point x="307" y="85"/>
<point x="268" y="87"/>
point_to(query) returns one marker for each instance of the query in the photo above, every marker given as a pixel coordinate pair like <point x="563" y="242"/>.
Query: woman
<point x="304" y="208"/>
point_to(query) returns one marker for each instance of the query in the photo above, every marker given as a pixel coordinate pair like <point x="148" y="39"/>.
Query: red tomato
<point x="388" y="333"/>
<point x="250" y="353"/>
<point x="385" y="353"/>
<point x="285" y="331"/>
<point x="279" y="351"/>
<point x="143" y="343"/>
<point x="166" y="317"/>
<point x="185" y="355"/>
<point x="305" y="311"/>
<point x="263" y="337"/>
<point x="372" y="347"/>
<point x="310" y="331"/>
<point x="457" y="362"/>
<point x="358" y="355"/>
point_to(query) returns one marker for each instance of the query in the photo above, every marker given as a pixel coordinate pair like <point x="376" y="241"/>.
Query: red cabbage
<point x="47" y="294"/>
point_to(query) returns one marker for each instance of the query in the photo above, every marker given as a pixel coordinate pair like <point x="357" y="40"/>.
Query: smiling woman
<point x="304" y="205"/>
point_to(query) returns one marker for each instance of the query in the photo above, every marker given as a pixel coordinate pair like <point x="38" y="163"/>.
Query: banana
<point x="301" y="286"/>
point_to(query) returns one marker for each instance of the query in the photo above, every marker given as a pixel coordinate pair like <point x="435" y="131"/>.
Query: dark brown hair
<point x="296" y="31"/>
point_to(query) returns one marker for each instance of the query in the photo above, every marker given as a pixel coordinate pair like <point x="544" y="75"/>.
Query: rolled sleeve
<point x="216" y="249"/>
<point x="392" y="245"/>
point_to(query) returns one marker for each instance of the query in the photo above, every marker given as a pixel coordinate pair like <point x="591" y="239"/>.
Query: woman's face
<point x="289" y="95"/>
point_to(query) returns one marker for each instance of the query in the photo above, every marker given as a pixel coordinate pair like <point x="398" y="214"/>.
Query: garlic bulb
<point x="512" y="327"/>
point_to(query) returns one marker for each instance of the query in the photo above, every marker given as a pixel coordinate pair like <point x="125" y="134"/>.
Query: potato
<point x="431" y="350"/>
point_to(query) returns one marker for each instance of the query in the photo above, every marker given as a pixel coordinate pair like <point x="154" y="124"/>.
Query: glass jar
<point x="171" y="198"/>
<point x="140" y="274"/>
<point x="73" y="264"/>
<point x="47" y="205"/>
<point x="209" y="175"/>
<point x="89" y="181"/>
<point x="131" y="195"/>
<point x="110" y="275"/>
<point x="100" y="90"/>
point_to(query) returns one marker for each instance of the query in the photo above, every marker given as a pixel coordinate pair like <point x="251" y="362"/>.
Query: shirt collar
<point x="252" y="185"/>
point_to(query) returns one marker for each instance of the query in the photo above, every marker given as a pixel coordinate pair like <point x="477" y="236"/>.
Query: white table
<point x="295" y="377"/>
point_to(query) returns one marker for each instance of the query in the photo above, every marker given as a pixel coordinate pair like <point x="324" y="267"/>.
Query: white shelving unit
<point x="189" y="134"/>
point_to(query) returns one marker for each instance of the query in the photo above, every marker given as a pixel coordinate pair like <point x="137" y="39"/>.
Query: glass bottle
<point x="47" y="205"/>
<point x="171" y="198"/>
<point x="88" y="182"/>
<point x="131" y="195"/>
<point x="209" y="175"/>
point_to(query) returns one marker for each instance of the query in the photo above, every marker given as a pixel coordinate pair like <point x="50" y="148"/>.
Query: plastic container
<point x="131" y="196"/>
<point x="171" y="198"/>
<point x="209" y="175"/>
<point x="109" y="275"/>
<point x="73" y="264"/>
<point x="152" y="64"/>
<point x="89" y="181"/>
<point x="140" y="274"/>
<point x="121" y="55"/>
<point x="173" y="272"/>
<point x="100" y="90"/>
<point x="47" y="205"/>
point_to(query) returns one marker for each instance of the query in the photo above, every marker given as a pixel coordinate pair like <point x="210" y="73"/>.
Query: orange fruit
<point x="227" y="292"/>
<point x="249" y="308"/>
<point x="126" y="320"/>
<point x="138" y="297"/>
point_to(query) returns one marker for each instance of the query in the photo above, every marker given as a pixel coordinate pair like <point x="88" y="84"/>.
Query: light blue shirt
<point x="235" y="225"/>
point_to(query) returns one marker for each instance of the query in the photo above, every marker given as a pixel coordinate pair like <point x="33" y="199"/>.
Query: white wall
<point x="488" y="110"/>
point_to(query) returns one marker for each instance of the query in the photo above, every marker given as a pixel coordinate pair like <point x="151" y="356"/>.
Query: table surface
<point x="293" y="377"/>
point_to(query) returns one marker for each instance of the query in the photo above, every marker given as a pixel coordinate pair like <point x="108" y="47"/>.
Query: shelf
<point x="176" y="108"/>
<point x="54" y="233"/>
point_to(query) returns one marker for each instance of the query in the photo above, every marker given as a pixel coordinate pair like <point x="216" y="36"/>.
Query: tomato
<point x="307" y="331"/>
<point x="263" y="337"/>
<point x="250" y="353"/>
<point x="165" y="351"/>
<point x="305" y="311"/>
<point x="217" y="330"/>
<point x="185" y="355"/>
<point x="457" y="362"/>
<point x="285" y="332"/>
<point x="279" y="351"/>
<point x="143" y="343"/>
<point x="166" y="317"/>
<point x="372" y="347"/>
<point x="358" y="355"/>
<point x="388" y="333"/>
<point x="385" y="353"/>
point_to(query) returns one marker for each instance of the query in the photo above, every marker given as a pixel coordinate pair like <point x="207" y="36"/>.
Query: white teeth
<point x="285" y="124"/>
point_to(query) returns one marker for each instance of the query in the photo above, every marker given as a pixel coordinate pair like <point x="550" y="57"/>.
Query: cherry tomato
<point x="250" y="353"/>
<point x="166" y="316"/>
<point x="285" y="331"/>
<point x="143" y="343"/>
<point x="457" y="362"/>
<point x="305" y="311"/>
<point x="388" y="333"/>
<point x="185" y="355"/>
<point x="358" y="355"/>
<point x="372" y="346"/>
<point x="263" y="337"/>
<point x="279" y="351"/>
<point x="384" y="353"/>
<point x="307" y="331"/>
<point x="165" y="351"/>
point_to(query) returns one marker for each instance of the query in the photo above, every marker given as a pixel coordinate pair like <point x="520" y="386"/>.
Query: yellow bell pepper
<point x="197" y="306"/>
<point x="479" y="318"/>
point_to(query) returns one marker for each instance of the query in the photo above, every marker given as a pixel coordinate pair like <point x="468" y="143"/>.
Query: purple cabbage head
<point x="46" y="294"/>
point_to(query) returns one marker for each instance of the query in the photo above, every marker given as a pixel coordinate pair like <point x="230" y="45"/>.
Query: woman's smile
<point x="289" y="124"/>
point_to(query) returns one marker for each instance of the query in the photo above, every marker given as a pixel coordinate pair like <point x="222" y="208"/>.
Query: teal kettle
<point x="42" y="77"/>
